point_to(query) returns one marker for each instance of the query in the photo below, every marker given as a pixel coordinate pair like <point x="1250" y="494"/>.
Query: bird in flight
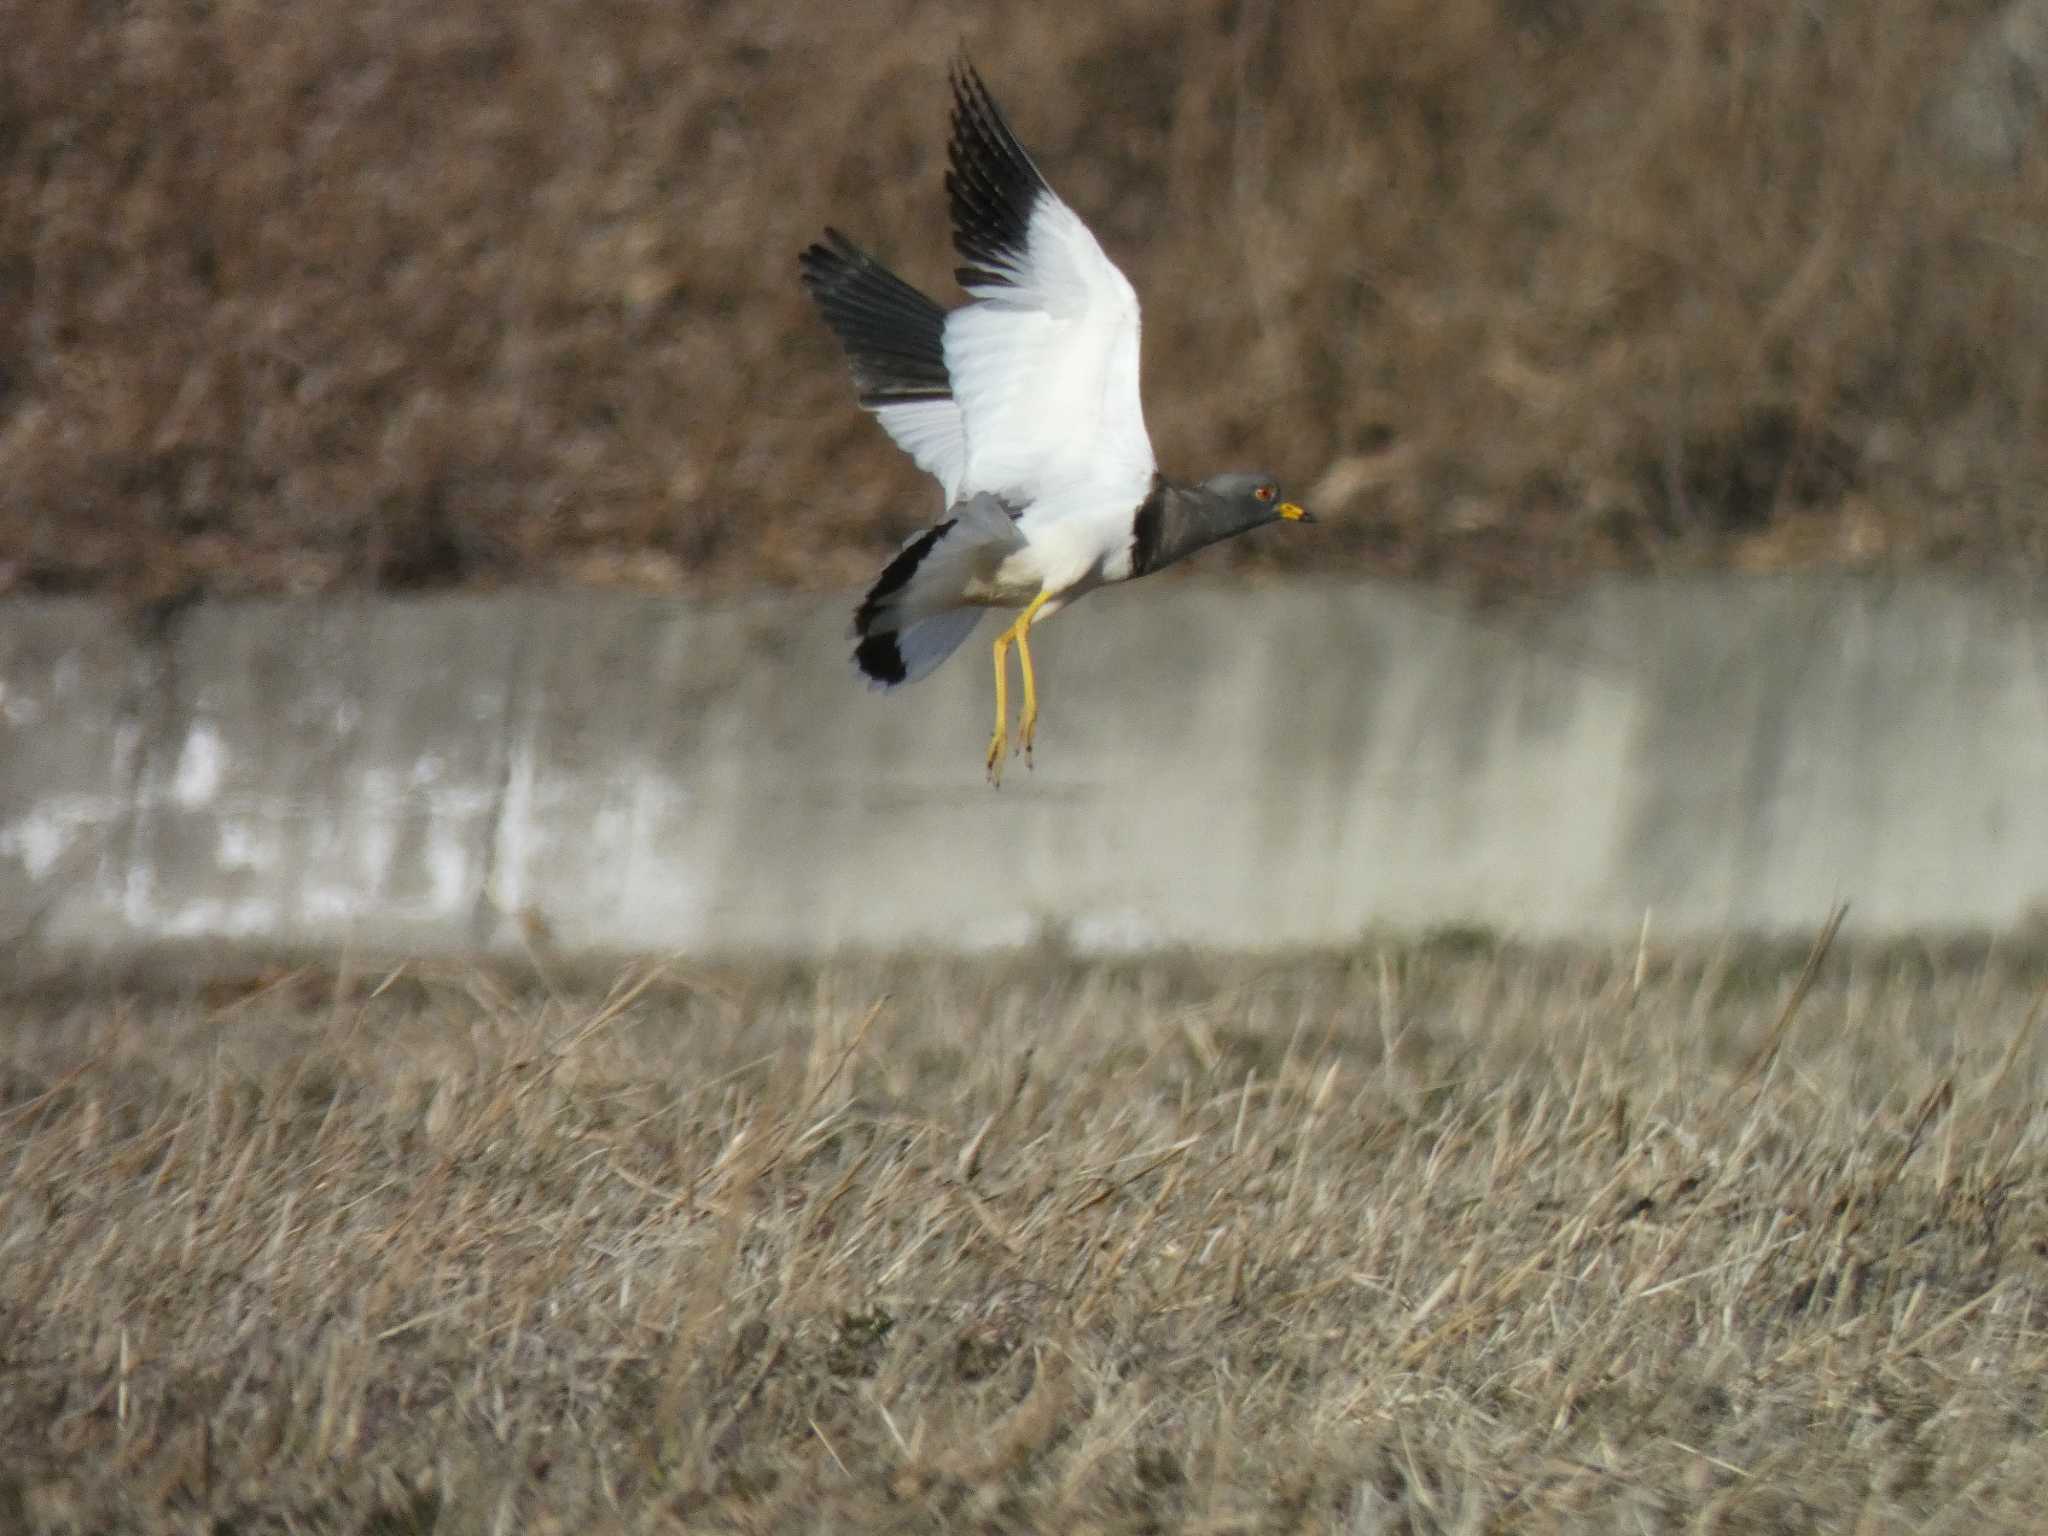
<point x="1024" y="405"/>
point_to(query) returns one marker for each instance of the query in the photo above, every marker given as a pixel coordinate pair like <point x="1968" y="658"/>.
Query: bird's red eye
<point x="1264" y="493"/>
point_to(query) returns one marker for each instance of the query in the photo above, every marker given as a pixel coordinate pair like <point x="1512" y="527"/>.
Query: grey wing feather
<point x="925" y="644"/>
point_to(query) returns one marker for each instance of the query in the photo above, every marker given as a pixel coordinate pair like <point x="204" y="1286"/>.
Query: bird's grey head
<point x="1250" y="501"/>
<point x="1176" y="520"/>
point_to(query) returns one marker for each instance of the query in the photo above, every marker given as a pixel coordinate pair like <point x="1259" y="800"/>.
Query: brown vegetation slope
<point x="1414" y="1241"/>
<point x="302" y="295"/>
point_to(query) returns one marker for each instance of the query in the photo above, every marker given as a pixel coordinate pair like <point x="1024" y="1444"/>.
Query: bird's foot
<point x="996" y="745"/>
<point x="1027" y="730"/>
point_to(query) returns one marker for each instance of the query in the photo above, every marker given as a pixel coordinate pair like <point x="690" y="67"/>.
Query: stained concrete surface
<point x="1277" y="767"/>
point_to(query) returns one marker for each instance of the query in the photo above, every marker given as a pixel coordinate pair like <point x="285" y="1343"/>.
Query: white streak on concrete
<point x="196" y="779"/>
<point x="245" y="918"/>
<point x="40" y="839"/>
<point x="514" y="828"/>
<point x="334" y="905"/>
<point x="243" y="846"/>
<point x="451" y="872"/>
<point x="17" y="708"/>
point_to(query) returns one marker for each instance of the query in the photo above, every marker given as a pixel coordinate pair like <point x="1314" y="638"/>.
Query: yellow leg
<point x="1027" y="725"/>
<point x="997" y="742"/>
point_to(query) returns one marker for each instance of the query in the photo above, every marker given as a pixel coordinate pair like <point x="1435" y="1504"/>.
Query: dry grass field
<point x="297" y="296"/>
<point x="1433" y="1238"/>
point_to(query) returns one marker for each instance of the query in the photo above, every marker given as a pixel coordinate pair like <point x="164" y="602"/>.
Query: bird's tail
<point x="916" y="613"/>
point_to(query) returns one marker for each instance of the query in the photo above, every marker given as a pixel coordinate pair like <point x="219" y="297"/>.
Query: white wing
<point x="1044" y="363"/>
<point x="930" y="432"/>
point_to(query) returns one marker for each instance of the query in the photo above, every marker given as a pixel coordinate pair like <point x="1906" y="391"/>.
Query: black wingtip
<point x="893" y="335"/>
<point x="828" y="249"/>
<point x="990" y="182"/>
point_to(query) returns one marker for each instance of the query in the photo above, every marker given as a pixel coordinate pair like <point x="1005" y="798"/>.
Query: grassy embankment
<point x="304" y="296"/>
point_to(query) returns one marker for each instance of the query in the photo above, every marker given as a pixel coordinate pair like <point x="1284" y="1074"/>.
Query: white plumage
<point x="1024" y="404"/>
<point x="1046" y="375"/>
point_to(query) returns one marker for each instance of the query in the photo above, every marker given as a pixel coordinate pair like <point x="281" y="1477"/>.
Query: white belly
<point x="1065" y="556"/>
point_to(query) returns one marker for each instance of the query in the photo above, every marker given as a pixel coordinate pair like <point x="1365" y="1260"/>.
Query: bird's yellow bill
<point x="1293" y="513"/>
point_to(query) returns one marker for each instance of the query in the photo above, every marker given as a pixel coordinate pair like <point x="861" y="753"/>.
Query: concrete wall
<point x="1271" y="767"/>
